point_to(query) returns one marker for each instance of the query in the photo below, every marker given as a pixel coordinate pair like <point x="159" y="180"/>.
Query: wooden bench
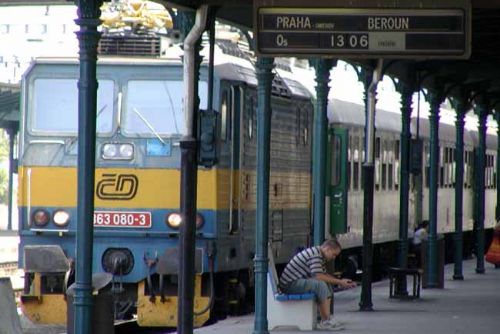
<point x="402" y="273"/>
<point x="288" y="310"/>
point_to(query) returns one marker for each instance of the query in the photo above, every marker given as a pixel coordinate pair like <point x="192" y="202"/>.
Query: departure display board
<point x="363" y="32"/>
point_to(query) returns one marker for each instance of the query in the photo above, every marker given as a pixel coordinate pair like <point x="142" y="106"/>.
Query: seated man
<point x="306" y="273"/>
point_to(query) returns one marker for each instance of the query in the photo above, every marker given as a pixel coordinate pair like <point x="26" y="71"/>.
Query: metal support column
<point x="265" y="78"/>
<point x="435" y="99"/>
<point x="12" y="135"/>
<point x="482" y="112"/>
<point x="88" y="38"/>
<point x="322" y="67"/>
<point x="371" y="79"/>
<point x="460" y="105"/>
<point x="189" y="169"/>
<point x="406" y="90"/>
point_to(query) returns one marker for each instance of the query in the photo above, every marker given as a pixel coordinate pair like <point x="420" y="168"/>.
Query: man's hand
<point x="344" y="283"/>
<point x="347" y="283"/>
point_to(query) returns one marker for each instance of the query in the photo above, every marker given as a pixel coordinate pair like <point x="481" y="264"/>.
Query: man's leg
<point x="322" y="291"/>
<point x="324" y="308"/>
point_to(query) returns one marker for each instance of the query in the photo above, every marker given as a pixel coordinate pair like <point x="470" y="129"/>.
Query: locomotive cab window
<point x="58" y="113"/>
<point x="154" y="107"/>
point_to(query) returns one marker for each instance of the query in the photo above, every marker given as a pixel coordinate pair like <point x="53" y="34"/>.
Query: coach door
<point x="337" y="179"/>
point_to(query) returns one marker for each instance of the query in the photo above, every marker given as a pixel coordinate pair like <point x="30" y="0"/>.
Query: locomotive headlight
<point x="40" y="218"/>
<point x="109" y="151"/>
<point x="199" y="221"/>
<point x="174" y="220"/>
<point x="117" y="151"/>
<point x="126" y="151"/>
<point x="61" y="218"/>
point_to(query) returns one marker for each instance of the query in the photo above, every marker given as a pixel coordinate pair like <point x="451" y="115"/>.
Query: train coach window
<point x="453" y="168"/>
<point x="384" y="174"/>
<point x="349" y="164"/>
<point x="336" y="161"/>
<point x="355" y="173"/>
<point x="468" y="169"/>
<point x="494" y="172"/>
<point x="396" y="175"/>
<point x="390" y="176"/>
<point x="58" y="113"/>
<point x="489" y="170"/>
<point x="355" y="167"/>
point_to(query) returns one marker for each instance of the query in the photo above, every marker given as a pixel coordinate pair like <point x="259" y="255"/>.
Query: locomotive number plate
<point x="122" y="219"/>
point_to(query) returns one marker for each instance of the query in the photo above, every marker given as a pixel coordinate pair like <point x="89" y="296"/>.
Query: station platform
<point x="468" y="306"/>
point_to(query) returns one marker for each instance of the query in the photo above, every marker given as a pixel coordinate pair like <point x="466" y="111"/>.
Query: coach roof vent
<point x="280" y="88"/>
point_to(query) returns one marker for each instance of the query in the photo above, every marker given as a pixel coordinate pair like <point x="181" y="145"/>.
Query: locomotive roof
<point x="239" y="70"/>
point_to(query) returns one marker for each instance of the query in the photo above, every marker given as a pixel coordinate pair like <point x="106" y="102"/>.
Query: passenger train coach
<point x="137" y="183"/>
<point x="346" y="146"/>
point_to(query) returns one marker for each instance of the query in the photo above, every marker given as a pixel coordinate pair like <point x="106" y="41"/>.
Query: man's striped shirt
<point x="305" y="264"/>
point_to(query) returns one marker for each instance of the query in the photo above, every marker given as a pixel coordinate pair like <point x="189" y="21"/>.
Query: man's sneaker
<point x="327" y="325"/>
<point x="334" y="322"/>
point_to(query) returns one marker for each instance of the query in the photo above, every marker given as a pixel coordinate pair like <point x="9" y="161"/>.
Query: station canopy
<point x="480" y="72"/>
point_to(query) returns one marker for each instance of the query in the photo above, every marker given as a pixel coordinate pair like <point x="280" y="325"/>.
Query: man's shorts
<point x="321" y="290"/>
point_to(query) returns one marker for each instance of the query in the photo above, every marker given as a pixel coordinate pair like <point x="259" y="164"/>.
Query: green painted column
<point x="482" y="113"/>
<point x="264" y="69"/>
<point x="497" y="209"/>
<point x="320" y="137"/>
<point x="370" y="78"/>
<point x="192" y="28"/>
<point x="435" y="97"/>
<point x="460" y="104"/>
<point x="406" y="90"/>
<point x="88" y="37"/>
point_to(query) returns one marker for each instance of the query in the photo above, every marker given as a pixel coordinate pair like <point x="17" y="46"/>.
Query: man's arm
<point x="345" y="283"/>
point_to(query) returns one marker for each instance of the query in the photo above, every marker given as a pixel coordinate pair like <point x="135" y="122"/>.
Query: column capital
<point x="482" y="106"/>
<point x="264" y="66"/>
<point x="461" y="103"/>
<point x="322" y="64"/>
<point x="405" y="87"/>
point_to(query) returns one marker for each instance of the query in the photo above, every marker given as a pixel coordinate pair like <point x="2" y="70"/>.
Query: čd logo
<point x="117" y="187"/>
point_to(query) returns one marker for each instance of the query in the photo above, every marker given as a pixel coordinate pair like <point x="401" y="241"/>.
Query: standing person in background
<point x="306" y="273"/>
<point x="421" y="234"/>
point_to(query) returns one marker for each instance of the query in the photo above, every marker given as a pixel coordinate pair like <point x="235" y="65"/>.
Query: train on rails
<point x="136" y="219"/>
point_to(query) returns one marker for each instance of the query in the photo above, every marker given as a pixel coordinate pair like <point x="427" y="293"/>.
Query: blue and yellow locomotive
<point x="136" y="218"/>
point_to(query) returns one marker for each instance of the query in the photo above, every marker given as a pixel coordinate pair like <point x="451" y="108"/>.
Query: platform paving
<point x="468" y="306"/>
